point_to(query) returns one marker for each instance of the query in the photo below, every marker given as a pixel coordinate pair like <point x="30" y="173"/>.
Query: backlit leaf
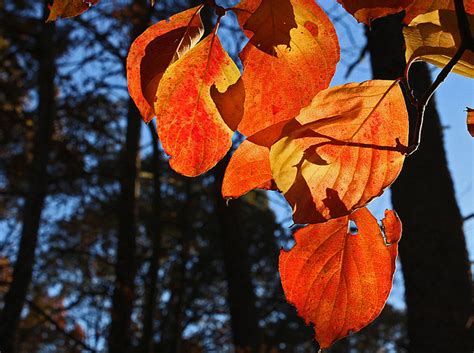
<point x="248" y="169"/>
<point x="154" y="50"/>
<point x="278" y="87"/>
<point x="190" y="127"/>
<point x="271" y="24"/>
<point x="341" y="151"/>
<point x="470" y="121"/>
<point x="366" y="10"/>
<point x="434" y="37"/>
<point x="339" y="279"/>
<point x="69" y="8"/>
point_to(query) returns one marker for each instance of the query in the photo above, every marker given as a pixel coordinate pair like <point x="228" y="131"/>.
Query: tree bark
<point x="433" y="250"/>
<point x="241" y="295"/>
<point x="37" y="189"/>
<point x="155" y="237"/>
<point x="125" y="268"/>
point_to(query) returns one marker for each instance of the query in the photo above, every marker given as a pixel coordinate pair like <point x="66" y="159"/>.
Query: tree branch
<point x="58" y="327"/>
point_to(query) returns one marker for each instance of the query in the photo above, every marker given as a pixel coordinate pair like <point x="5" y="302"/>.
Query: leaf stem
<point x="467" y="43"/>
<point x="422" y="103"/>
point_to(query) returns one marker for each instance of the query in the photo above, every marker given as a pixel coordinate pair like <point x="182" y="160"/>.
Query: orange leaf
<point x="154" y="50"/>
<point x="271" y="24"/>
<point x="340" y="281"/>
<point x="248" y="169"/>
<point x="341" y="151"/>
<point x="434" y="37"/>
<point x="367" y="10"/>
<point x="278" y="87"/>
<point x="190" y="127"/>
<point x="69" y="8"/>
<point x="230" y="103"/>
<point x="470" y="121"/>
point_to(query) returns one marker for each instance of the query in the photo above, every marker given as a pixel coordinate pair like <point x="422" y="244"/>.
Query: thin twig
<point x="58" y="326"/>
<point x="422" y="103"/>
<point x="467" y="43"/>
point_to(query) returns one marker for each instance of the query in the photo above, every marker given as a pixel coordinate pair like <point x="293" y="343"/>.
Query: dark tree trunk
<point x="125" y="268"/>
<point x="433" y="250"/>
<point x="173" y="326"/>
<point x="37" y="189"/>
<point x="241" y="295"/>
<point x="155" y="237"/>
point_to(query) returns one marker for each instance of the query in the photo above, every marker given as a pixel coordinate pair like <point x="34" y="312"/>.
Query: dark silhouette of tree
<point x="433" y="251"/>
<point x="37" y="187"/>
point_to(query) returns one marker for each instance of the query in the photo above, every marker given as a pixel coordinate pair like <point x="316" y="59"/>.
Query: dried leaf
<point x="341" y="151"/>
<point x="154" y="50"/>
<point x="340" y="281"/>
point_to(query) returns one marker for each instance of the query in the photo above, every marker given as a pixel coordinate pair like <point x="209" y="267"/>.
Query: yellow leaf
<point x="342" y="150"/>
<point x="434" y="37"/>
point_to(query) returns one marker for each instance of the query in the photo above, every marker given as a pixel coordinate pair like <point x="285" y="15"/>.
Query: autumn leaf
<point x="341" y="151"/>
<point x="339" y="278"/>
<point x="190" y="127"/>
<point x="248" y="169"/>
<point x="69" y="8"/>
<point x="230" y="103"/>
<point x="434" y="37"/>
<point x="154" y="50"/>
<point x="470" y="121"/>
<point x="278" y="87"/>
<point x="271" y="23"/>
<point x="368" y="10"/>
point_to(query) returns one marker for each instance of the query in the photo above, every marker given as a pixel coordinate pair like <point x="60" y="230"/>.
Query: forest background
<point x="200" y="275"/>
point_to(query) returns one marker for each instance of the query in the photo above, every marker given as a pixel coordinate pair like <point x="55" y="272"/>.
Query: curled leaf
<point x="434" y="37"/>
<point x="190" y="126"/>
<point x="154" y="50"/>
<point x="338" y="280"/>
<point x="248" y="169"/>
<point x="341" y="151"/>
<point x="277" y="87"/>
<point x="69" y="8"/>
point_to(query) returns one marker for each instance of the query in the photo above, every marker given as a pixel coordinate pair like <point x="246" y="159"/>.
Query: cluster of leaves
<point x="329" y="151"/>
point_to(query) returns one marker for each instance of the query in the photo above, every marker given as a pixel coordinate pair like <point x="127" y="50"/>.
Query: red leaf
<point x="339" y="281"/>
<point x="154" y="50"/>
